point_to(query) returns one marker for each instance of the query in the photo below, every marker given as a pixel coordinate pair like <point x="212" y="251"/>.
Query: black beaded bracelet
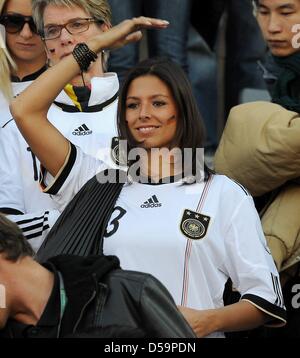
<point x="84" y="56"/>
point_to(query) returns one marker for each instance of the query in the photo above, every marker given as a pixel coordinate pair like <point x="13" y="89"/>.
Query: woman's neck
<point x="26" y="68"/>
<point x="161" y="163"/>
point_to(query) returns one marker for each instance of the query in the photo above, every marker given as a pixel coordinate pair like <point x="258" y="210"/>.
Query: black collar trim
<point x="167" y="180"/>
<point x="30" y="77"/>
<point x="91" y="109"/>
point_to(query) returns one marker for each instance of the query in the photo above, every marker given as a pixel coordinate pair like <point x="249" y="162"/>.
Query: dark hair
<point x="12" y="242"/>
<point x="190" y="129"/>
<point x="190" y="132"/>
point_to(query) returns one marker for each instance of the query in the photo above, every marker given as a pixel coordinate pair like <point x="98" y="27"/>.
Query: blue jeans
<point x="170" y="42"/>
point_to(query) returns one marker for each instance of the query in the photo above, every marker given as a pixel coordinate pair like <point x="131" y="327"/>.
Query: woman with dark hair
<point x="190" y="129"/>
<point x="193" y="232"/>
<point x="189" y="132"/>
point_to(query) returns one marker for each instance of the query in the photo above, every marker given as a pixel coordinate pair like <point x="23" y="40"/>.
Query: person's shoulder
<point x="133" y="279"/>
<point x="137" y="284"/>
<point x="230" y="186"/>
<point x="133" y="276"/>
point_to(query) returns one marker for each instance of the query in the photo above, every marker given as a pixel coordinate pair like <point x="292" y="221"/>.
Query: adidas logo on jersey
<point x="151" y="203"/>
<point x="82" y="130"/>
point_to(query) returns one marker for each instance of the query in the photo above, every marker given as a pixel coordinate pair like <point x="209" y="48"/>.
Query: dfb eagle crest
<point x="194" y="225"/>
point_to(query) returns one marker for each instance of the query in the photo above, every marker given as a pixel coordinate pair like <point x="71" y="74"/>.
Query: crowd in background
<point x="234" y="54"/>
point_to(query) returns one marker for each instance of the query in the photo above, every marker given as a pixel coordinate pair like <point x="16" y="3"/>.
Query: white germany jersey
<point x="191" y="237"/>
<point x="91" y="131"/>
<point x="33" y="224"/>
<point x="5" y="115"/>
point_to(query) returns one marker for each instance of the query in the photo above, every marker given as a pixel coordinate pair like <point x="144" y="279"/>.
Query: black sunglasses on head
<point x="15" y="23"/>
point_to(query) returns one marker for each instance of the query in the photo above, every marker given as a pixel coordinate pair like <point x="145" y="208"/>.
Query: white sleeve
<point x="249" y="262"/>
<point x="36" y="226"/>
<point x="76" y="171"/>
<point x="11" y="185"/>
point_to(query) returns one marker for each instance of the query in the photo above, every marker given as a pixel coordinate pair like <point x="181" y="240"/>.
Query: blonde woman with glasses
<point x="84" y="111"/>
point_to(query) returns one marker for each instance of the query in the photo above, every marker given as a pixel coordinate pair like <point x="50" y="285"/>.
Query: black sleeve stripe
<point x="10" y="211"/>
<point x="37" y="234"/>
<point x="33" y="227"/>
<point x="277" y="313"/>
<point x="277" y="290"/>
<point x="60" y="179"/>
<point x="242" y="187"/>
<point x="22" y="222"/>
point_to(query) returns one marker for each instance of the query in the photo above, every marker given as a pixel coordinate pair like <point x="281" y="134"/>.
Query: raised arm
<point x="30" y="108"/>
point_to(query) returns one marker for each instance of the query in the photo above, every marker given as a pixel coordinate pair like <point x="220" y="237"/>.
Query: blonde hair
<point x="6" y="64"/>
<point x="98" y="9"/>
<point x="255" y="5"/>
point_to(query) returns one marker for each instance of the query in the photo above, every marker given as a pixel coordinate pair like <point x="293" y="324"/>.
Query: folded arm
<point x="235" y="317"/>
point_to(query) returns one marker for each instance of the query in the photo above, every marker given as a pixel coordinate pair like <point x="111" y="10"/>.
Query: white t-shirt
<point x="191" y="237"/>
<point x="17" y="88"/>
<point x="19" y="168"/>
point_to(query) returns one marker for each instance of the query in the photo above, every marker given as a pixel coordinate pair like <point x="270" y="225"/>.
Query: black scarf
<point x="287" y="88"/>
<point x="80" y="228"/>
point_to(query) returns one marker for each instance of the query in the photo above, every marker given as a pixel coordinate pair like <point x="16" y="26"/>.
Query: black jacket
<point x="103" y="298"/>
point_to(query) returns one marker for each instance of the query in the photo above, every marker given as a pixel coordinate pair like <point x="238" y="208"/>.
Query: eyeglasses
<point x="74" y="26"/>
<point x="15" y="23"/>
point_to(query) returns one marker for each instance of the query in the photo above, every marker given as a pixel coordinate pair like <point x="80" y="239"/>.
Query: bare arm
<point x="235" y="317"/>
<point x="30" y="108"/>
